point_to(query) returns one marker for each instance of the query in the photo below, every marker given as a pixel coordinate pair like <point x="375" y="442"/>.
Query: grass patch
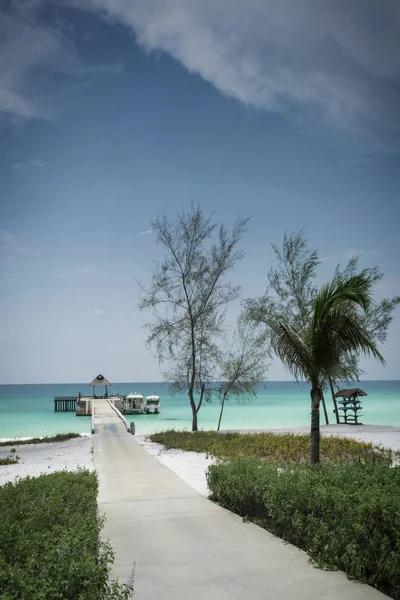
<point x="60" y="437"/>
<point x="50" y="544"/>
<point x="346" y="516"/>
<point x="11" y="459"/>
<point x="270" y="446"/>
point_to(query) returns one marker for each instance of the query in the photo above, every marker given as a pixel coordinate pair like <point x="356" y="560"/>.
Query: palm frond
<point x="292" y="350"/>
<point x="338" y="332"/>
<point x="355" y="289"/>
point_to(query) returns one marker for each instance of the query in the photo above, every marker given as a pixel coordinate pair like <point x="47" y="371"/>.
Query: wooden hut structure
<point x="100" y="380"/>
<point x="350" y="405"/>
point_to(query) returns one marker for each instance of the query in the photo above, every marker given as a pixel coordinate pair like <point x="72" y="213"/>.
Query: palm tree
<point x="335" y="328"/>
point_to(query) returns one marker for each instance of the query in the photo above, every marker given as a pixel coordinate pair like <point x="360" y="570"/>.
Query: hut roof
<point x="348" y="393"/>
<point x="100" y="380"/>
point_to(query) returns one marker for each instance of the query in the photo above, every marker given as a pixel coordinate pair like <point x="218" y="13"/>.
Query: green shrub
<point x="270" y="446"/>
<point x="11" y="459"/>
<point x="346" y="516"/>
<point x="50" y="546"/>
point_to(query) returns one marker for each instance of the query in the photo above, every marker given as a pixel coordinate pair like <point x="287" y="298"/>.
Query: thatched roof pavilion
<point x="351" y="406"/>
<point x="350" y="393"/>
<point x="100" y="380"/>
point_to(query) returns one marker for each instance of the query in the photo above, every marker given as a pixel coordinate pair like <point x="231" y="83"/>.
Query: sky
<point x="287" y="112"/>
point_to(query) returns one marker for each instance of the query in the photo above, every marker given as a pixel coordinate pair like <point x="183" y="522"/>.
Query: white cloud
<point x="146" y="232"/>
<point x="78" y="273"/>
<point x="7" y="238"/>
<point x="350" y="252"/>
<point x="87" y="270"/>
<point x="11" y="247"/>
<point x="20" y="166"/>
<point x="356" y="161"/>
<point x="13" y="277"/>
<point x="37" y="163"/>
<point x="308" y="58"/>
<point x="29" y="48"/>
<point x="96" y="312"/>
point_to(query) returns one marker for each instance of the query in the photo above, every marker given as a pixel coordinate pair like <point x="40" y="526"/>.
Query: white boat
<point x="153" y="404"/>
<point x="133" y="404"/>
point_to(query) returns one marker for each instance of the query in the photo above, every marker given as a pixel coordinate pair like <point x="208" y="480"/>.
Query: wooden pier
<point x="65" y="403"/>
<point x="84" y="405"/>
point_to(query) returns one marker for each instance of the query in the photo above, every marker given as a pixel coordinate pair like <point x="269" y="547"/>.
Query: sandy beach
<point x="192" y="466"/>
<point x="39" y="459"/>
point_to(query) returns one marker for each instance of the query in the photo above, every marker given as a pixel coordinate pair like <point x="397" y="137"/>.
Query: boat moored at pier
<point x="133" y="404"/>
<point x="153" y="404"/>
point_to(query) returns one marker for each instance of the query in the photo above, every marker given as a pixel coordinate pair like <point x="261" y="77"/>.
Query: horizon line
<point x="169" y="382"/>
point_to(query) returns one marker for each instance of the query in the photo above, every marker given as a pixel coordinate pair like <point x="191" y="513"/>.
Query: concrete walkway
<point x="187" y="548"/>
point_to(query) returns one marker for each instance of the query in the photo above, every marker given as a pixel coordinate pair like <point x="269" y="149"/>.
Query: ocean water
<point x="28" y="410"/>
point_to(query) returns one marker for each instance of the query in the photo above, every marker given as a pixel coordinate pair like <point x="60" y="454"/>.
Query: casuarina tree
<point x="188" y="296"/>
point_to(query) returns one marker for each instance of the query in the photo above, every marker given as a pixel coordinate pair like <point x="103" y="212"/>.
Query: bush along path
<point x="50" y="545"/>
<point x="346" y="516"/>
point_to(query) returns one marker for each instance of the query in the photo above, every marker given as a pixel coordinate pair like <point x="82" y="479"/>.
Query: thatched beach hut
<point x="100" y="380"/>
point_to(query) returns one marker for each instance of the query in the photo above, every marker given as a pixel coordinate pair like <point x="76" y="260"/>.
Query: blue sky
<point x="112" y="109"/>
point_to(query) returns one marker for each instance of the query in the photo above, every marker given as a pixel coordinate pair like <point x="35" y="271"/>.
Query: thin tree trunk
<point x="324" y="407"/>
<point x="315" y="432"/>
<point x="334" y="400"/>
<point x="194" y="411"/>
<point x="203" y="387"/>
<point x="220" y="414"/>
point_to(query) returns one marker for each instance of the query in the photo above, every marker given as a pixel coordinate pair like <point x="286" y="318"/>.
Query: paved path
<point x="187" y="548"/>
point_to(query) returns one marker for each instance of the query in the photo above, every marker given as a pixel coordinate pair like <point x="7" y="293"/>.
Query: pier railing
<point x="121" y="416"/>
<point x="93" y="409"/>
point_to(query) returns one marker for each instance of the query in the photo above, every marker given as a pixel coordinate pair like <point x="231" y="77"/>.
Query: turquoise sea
<point x="28" y="410"/>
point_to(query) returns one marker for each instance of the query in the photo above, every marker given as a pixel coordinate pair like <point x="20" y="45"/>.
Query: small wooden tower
<point x="350" y="405"/>
<point x="100" y="380"/>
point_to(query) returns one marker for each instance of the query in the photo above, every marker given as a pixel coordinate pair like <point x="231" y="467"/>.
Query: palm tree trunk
<point x="324" y="407"/>
<point x="334" y="400"/>
<point x="315" y="432"/>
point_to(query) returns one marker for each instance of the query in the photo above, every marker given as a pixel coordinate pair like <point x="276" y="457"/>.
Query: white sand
<point x="38" y="459"/>
<point x="192" y="466"/>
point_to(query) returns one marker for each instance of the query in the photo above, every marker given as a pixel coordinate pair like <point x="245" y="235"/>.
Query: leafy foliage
<point x="335" y="328"/>
<point x="242" y="365"/>
<point x="376" y="317"/>
<point x="346" y="516"/>
<point x="291" y="288"/>
<point x="270" y="446"/>
<point x="291" y="293"/>
<point x="60" y="437"/>
<point x="50" y="545"/>
<point x="188" y="296"/>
